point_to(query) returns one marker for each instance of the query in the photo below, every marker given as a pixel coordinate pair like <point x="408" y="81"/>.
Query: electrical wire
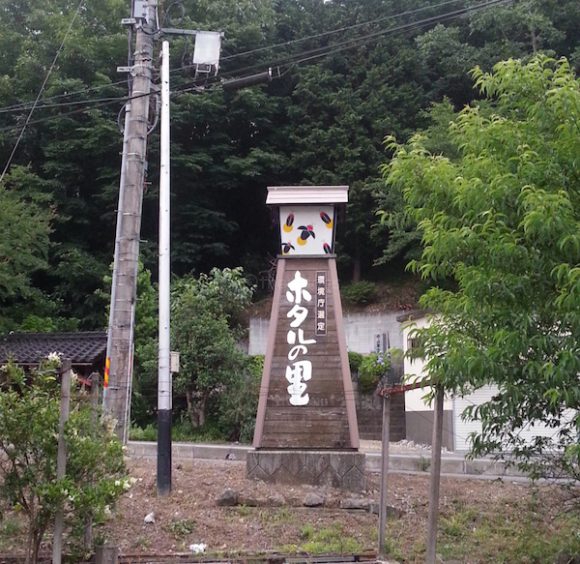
<point x="412" y="26"/>
<point x="26" y="105"/>
<point x="356" y="42"/>
<point x="291" y="60"/>
<point x="334" y="31"/>
<point x="72" y="112"/>
<point x="53" y="64"/>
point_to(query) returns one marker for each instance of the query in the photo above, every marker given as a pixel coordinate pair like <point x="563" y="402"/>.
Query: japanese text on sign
<point x="320" y="323"/>
<point x="300" y="371"/>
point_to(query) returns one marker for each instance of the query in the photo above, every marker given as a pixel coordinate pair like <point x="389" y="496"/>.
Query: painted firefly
<point x="327" y="219"/>
<point x="327" y="248"/>
<point x="286" y="248"/>
<point x="288" y="226"/>
<point x="306" y="231"/>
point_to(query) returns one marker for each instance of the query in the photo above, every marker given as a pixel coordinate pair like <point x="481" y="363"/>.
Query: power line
<point x="26" y="105"/>
<point x="356" y="42"/>
<point x="349" y="43"/>
<point x="334" y="31"/>
<point x="411" y="25"/>
<point x="291" y="60"/>
<point x="72" y="112"/>
<point x="42" y="88"/>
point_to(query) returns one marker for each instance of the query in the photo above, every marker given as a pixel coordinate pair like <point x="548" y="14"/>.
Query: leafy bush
<point x="360" y="293"/>
<point x="239" y="403"/>
<point x="209" y="432"/>
<point x="372" y="369"/>
<point x="29" y="422"/>
<point x="147" y="433"/>
<point x="354" y="361"/>
<point x="181" y="431"/>
<point x="206" y="325"/>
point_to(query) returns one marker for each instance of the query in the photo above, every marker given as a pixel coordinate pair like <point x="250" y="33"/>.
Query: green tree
<point x="206" y="327"/>
<point x="24" y="237"/>
<point x="29" y="421"/>
<point x="501" y="235"/>
<point x="72" y="158"/>
<point x="321" y="122"/>
<point x="145" y="371"/>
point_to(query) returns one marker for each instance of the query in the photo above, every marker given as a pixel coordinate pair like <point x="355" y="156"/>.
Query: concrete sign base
<point x="338" y="469"/>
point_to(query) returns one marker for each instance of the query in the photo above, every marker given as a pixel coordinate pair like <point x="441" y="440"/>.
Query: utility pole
<point x="435" y="479"/>
<point x="164" y="386"/>
<point x="119" y="363"/>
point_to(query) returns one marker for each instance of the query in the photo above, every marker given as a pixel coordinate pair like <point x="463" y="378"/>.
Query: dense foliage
<point x="392" y="68"/>
<point x="29" y="423"/>
<point x="205" y="329"/>
<point x="500" y="225"/>
<point x="372" y="368"/>
<point x="321" y="122"/>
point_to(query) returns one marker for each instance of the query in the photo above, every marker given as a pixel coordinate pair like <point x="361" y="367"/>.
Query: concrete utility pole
<point x="118" y="371"/>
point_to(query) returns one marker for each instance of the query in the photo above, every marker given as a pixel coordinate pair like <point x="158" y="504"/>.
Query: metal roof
<point x="82" y="348"/>
<point x="307" y="195"/>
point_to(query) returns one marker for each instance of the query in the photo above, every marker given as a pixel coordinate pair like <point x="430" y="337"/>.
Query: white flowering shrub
<point x="95" y="473"/>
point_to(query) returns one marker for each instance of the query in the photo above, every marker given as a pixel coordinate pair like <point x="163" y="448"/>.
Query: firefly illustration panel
<point x="306" y="230"/>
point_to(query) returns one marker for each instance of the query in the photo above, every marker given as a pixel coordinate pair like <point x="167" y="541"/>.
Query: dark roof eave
<point x="412" y="315"/>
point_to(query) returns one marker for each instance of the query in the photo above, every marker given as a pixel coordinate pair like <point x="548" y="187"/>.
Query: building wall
<point x="361" y="332"/>
<point x="415" y="370"/>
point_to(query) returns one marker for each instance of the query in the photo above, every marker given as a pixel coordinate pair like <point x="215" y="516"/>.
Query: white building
<point x="419" y="414"/>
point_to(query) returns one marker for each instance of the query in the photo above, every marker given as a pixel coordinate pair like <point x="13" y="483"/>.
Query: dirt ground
<point x="274" y="518"/>
<point x="476" y="517"/>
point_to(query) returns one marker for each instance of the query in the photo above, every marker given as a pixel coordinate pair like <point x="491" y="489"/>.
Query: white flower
<point x="117" y="483"/>
<point x="54" y="357"/>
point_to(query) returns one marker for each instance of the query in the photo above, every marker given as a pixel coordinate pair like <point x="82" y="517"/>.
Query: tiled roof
<point x="83" y="348"/>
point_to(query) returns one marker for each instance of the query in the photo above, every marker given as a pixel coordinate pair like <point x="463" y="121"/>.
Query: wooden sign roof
<point x="307" y="195"/>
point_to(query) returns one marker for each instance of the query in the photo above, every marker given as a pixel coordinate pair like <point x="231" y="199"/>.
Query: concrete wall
<point x="361" y="332"/>
<point x="419" y="428"/>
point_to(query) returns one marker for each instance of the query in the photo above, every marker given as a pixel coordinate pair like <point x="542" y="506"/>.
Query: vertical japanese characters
<point x="320" y="303"/>
<point x="300" y="371"/>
